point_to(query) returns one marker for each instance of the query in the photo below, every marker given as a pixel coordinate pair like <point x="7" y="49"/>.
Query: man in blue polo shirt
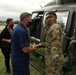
<point x="21" y="47"/>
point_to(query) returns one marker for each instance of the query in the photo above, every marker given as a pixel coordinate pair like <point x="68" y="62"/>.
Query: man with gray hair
<point x="21" y="46"/>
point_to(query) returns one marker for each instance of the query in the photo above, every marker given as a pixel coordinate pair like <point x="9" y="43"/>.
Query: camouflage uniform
<point x="53" y="52"/>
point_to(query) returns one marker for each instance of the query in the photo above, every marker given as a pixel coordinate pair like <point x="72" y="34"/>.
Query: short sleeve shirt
<point x="20" y="40"/>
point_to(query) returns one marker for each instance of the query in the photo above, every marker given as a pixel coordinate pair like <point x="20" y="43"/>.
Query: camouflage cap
<point x="51" y="13"/>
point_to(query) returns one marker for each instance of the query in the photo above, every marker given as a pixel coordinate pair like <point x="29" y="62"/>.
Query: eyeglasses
<point x="49" y="17"/>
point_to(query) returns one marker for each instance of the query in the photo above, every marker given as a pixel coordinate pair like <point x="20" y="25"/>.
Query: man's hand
<point x="36" y="45"/>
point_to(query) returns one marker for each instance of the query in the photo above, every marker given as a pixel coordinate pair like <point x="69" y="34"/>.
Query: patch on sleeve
<point x="50" y="32"/>
<point x="51" y="35"/>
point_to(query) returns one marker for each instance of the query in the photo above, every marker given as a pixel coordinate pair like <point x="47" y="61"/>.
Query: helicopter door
<point x="35" y="29"/>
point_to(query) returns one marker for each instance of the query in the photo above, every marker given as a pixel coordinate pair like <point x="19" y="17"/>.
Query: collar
<point x="22" y="25"/>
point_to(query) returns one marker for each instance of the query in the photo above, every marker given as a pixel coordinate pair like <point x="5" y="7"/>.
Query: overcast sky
<point x="13" y="8"/>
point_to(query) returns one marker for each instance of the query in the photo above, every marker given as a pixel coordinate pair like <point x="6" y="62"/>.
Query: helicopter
<point x="66" y="17"/>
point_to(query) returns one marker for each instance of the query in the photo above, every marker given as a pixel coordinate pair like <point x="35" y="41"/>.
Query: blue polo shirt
<point x="20" y="40"/>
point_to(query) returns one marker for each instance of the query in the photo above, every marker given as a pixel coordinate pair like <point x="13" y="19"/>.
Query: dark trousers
<point x="6" y="52"/>
<point x="20" y="70"/>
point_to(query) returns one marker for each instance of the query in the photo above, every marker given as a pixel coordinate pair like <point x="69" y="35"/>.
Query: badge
<point x="51" y="35"/>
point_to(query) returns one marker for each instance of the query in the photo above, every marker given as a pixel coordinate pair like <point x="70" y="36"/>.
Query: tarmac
<point x="2" y="27"/>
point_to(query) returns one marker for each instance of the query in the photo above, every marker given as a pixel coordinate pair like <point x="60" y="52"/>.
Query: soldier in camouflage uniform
<point x="54" y="58"/>
<point x="53" y="52"/>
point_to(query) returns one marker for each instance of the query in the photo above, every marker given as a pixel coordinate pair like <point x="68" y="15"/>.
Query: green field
<point x="33" y="71"/>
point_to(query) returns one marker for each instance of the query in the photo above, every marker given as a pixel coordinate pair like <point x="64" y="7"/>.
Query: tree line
<point x="3" y="22"/>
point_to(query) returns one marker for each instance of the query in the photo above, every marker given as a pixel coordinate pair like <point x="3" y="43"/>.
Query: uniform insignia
<point x="51" y="35"/>
<point x="50" y="32"/>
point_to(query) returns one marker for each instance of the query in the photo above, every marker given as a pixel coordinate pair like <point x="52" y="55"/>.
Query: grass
<point x="0" y="31"/>
<point x="36" y="60"/>
<point x="2" y="66"/>
<point x="73" y="72"/>
<point x="33" y="71"/>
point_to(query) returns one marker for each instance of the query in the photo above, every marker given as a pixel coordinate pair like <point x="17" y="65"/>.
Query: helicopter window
<point x="36" y="25"/>
<point x="62" y="18"/>
<point x="34" y="15"/>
